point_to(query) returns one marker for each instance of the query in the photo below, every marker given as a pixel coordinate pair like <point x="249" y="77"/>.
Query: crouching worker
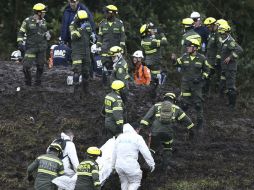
<point x="142" y="75"/>
<point x="88" y="171"/>
<point x="48" y="167"/>
<point x="125" y="158"/>
<point x="80" y="42"/>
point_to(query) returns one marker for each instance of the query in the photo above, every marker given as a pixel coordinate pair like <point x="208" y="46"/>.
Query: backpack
<point x="61" y="142"/>
<point x="167" y="115"/>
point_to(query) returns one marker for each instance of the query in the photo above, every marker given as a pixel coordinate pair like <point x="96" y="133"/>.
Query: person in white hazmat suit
<point x="125" y="158"/>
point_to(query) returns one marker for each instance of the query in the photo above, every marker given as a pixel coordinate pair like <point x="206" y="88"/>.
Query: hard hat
<point x="16" y="55"/>
<point x="195" y="15"/>
<point x="111" y="8"/>
<point x="193" y="42"/>
<point x="82" y="14"/>
<point x="223" y="28"/>
<point x="187" y="22"/>
<point x="209" y="21"/>
<point x="221" y="21"/>
<point x="138" y="53"/>
<point x="115" y="50"/>
<point x="94" y="151"/>
<point x="117" y="85"/>
<point x="169" y="95"/>
<point x="56" y="147"/>
<point x="143" y="29"/>
<point x="39" y="7"/>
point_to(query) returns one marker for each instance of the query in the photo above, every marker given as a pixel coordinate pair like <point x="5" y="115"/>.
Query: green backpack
<point x="167" y="114"/>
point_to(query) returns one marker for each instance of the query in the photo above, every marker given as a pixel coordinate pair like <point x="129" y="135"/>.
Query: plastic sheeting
<point x="105" y="166"/>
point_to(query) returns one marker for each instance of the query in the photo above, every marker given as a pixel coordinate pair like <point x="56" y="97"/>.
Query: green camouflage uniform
<point x="114" y="118"/>
<point x="189" y="34"/>
<point x="80" y="43"/>
<point x="229" y="48"/>
<point x="48" y="167"/>
<point x="162" y="133"/>
<point x="36" y="46"/>
<point x="111" y="33"/>
<point x="88" y="176"/>
<point x="120" y="71"/>
<point x="194" y="69"/>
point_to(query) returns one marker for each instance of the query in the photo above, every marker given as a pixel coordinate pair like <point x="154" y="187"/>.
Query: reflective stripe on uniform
<point x="87" y="162"/>
<point x="30" y="55"/>
<point x="84" y="173"/>
<point x="50" y="159"/>
<point x="157" y="41"/>
<point x="151" y="51"/>
<point x="208" y="65"/>
<point x="19" y="39"/>
<point x="122" y="43"/>
<point x="155" y="72"/>
<point x="222" y="78"/>
<point x="205" y="75"/>
<point x="190" y="126"/>
<point x="105" y="55"/>
<point x="218" y="56"/>
<point x="145" y="43"/>
<point x="110" y="98"/>
<point x="179" y="61"/>
<point x="144" y="122"/>
<point x="168" y="142"/>
<point x="75" y="32"/>
<point x="23" y="29"/>
<point x="127" y="77"/>
<point x="47" y="172"/>
<point x="235" y="55"/>
<point x="117" y="108"/>
<point x="77" y="62"/>
<point x="97" y="183"/>
<point x="181" y="116"/>
<point x="108" y="111"/>
<point x="119" y="122"/>
<point x="185" y="94"/>
<point x="95" y="172"/>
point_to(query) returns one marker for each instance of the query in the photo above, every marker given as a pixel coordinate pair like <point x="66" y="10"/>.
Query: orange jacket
<point x="142" y="75"/>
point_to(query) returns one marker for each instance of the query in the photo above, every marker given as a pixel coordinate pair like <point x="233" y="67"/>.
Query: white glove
<point x="98" y="49"/>
<point x="152" y="168"/>
<point x="47" y="35"/>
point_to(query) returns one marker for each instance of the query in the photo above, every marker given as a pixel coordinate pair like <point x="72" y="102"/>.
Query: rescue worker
<point x="36" y="43"/>
<point x="88" y="171"/>
<point x="189" y="33"/>
<point x="201" y="30"/>
<point x="194" y="69"/>
<point x="229" y="54"/>
<point x="212" y="48"/>
<point x="142" y="75"/>
<point x="151" y="43"/>
<point x="111" y="33"/>
<point x="81" y="30"/>
<point x="69" y="13"/>
<point x="128" y="145"/>
<point x="48" y="167"/>
<point x="160" y="120"/>
<point x="114" y="109"/>
<point x="120" y="67"/>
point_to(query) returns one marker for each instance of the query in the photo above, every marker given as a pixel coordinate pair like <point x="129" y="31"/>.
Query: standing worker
<point x="48" y="167"/>
<point x="35" y="30"/>
<point x="161" y="118"/>
<point x="111" y="33"/>
<point x="69" y="13"/>
<point x="114" y="109"/>
<point x="80" y="41"/>
<point x="194" y="69"/>
<point x="125" y="158"/>
<point x="88" y="171"/>
<point x="229" y="53"/>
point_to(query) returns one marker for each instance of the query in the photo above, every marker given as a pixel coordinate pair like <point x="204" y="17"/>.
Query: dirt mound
<point x="219" y="158"/>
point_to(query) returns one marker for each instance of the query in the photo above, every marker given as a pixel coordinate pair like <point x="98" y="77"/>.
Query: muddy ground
<point x="220" y="158"/>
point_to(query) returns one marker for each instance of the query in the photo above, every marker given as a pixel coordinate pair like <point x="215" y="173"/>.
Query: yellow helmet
<point x="117" y="85"/>
<point x="209" y="21"/>
<point x="111" y="8"/>
<point x="82" y="14"/>
<point x="56" y="147"/>
<point x="115" y="50"/>
<point x="143" y="29"/>
<point x="39" y="7"/>
<point x="170" y="95"/>
<point x="193" y="42"/>
<point x="187" y="22"/>
<point x="223" y="28"/>
<point x="94" y="151"/>
<point x="221" y="21"/>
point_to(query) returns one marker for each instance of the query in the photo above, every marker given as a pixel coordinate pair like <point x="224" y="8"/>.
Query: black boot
<point x="39" y="72"/>
<point x="85" y="85"/>
<point x="28" y="77"/>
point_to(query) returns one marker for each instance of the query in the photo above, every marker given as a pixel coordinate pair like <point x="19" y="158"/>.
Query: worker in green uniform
<point x="229" y="54"/>
<point x="151" y="43"/>
<point x="114" y="109"/>
<point x="88" y="171"/>
<point x="48" y="167"/>
<point x="161" y="118"/>
<point x="111" y="33"/>
<point x="81" y="31"/>
<point x="194" y="69"/>
<point x="34" y="29"/>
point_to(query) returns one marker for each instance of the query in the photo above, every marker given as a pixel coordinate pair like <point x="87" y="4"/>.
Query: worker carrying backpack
<point x="167" y="113"/>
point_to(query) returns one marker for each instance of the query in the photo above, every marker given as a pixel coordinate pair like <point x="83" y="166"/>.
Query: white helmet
<point x="16" y="55"/>
<point x="195" y="15"/>
<point x="138" y="53"/>
<point x="93" y="48"/>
